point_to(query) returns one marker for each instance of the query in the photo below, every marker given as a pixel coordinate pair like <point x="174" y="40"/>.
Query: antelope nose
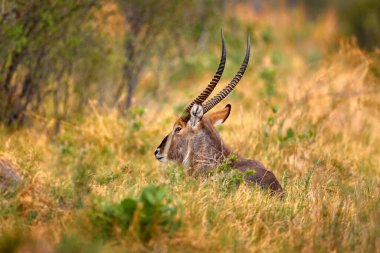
<point x="157" y="152"/>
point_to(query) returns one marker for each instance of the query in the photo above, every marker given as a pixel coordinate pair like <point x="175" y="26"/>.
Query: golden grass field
<point x="319" y="132"/>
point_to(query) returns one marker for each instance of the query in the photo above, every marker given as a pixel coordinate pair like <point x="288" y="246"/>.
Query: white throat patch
<point x="186" y="160"/>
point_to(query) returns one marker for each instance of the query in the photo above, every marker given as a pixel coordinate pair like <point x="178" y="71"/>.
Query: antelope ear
<point x="219" y="117"/>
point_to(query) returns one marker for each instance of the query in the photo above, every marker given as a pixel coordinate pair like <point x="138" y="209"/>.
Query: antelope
<point x="195" y="143"/>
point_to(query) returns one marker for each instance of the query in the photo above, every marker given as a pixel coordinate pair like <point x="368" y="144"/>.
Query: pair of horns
<point x="223" y="93"/>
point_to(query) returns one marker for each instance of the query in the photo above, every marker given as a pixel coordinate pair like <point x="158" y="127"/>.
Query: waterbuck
<point x="195" y="143"/>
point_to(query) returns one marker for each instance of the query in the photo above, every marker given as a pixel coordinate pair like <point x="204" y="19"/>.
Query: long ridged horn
<point x="223" y="93"/>
<point x="206" y="92"/>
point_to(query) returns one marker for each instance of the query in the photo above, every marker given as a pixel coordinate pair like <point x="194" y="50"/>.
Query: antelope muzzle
<point x="160" y="149"/>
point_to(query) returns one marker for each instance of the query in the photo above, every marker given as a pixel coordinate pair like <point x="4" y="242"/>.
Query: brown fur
<point x="201" y="149"/>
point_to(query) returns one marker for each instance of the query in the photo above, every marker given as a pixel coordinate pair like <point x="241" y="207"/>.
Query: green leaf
<point x="289" y="133"/>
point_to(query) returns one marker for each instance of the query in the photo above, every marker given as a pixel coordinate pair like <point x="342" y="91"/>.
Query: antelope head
<point x="193" y="140"/>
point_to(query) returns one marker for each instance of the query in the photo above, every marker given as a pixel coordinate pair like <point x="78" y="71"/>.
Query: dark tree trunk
<point x="131" y="84"/>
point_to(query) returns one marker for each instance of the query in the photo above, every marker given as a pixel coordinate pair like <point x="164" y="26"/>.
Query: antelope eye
<point x="177" y="129"/>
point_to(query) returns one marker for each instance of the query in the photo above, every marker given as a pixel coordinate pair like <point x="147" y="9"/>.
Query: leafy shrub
<point x="158" y="212"/>
<point x="154" y="211"/>
<point x="228" y="177"/>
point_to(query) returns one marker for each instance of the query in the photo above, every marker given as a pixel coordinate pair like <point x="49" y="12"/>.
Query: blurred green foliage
<point x="151" y="26"/>
<point x="359" y="18"/>
<point x="154" y="212"/>
<point x="57" y="55"/>
<point x="42" y="43"/>
<point x="362" y="19"/>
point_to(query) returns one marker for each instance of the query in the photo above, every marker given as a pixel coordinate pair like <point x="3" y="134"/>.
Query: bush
<point x="154" y="211"/>
<point x="362" y="19"/>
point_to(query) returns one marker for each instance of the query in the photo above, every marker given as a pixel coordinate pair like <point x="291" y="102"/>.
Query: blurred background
<point x="57" y="56"/>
